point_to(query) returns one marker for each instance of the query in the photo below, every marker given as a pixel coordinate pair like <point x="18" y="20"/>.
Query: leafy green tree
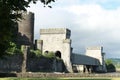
<point x="9" y="15"/>
<point x="13" y="49"/>
<point x="110" y="66"/>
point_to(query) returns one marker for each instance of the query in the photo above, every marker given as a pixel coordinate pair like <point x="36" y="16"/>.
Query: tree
<point x="10" y="13"/>
<point x="110" y="66"/>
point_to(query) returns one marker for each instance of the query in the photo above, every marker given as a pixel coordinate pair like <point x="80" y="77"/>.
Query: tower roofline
<point x="95" y="48"/>
<point x="55" y="31"/>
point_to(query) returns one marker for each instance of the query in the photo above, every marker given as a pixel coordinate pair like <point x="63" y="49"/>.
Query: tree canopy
<point x="9" y="15"/>
<point x="110" y="66"/>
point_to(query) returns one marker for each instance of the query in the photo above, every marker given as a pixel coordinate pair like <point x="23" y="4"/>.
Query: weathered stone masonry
<point x="58" y="41"/>
<point x="26" y="29"/>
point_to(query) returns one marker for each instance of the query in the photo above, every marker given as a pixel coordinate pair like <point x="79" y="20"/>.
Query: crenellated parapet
<point x="56" y="31"/>
<point x="95" y="48"/>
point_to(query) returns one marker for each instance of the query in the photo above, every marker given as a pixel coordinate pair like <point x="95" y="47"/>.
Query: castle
<point x="58" y="41"/>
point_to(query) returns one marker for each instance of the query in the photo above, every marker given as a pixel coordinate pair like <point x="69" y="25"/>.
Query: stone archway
<point x="58" y="54"/>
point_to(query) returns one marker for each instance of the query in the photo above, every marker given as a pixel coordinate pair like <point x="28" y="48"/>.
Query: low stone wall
<point x="63" y="75"/>
<point x="14" y="63"/>
<point x="11" y="63"/>
<point x="58" y="75"/>
<point x="39" y="64"/>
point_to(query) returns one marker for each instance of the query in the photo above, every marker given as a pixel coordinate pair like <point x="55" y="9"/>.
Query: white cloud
<point x="91" y="24"/>
<point x="97" y="26"/>
<point x="94" y="16"/>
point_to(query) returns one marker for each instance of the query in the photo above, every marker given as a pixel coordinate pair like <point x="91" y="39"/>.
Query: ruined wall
<point x="14" y="63"/>
<point x="11" y="63"/>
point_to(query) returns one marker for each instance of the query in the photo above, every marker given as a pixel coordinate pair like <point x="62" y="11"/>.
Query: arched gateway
<point x="58" y="54"/>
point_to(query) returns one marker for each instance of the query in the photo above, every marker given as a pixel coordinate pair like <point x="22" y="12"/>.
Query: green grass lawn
<point x="59" y="79"/>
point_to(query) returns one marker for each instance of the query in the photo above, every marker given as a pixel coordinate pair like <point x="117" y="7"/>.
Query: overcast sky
<point x="92" y="23"/>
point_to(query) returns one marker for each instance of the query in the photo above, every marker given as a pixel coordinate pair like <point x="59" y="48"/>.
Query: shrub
<point x="110" y="66"/>
<point x="13" y="49"/>
<point x="37" y="53"/>
<point x="49" y="55"/>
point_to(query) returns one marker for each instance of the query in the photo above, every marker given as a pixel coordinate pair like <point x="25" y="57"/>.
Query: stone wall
<point x="66" y="75"/>
<point x="59" y="75"/>
<point x="14" y="63"/>
<point x="11" y="63"/>
<point x="35" y="64"/>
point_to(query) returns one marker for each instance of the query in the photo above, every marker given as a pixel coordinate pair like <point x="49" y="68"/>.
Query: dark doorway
<point x="46" y="52"/>
<point x="58" y="54"/>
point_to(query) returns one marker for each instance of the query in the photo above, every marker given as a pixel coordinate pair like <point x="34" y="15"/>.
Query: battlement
<point x="55" y="31"/>
<point x="95" y="48"/>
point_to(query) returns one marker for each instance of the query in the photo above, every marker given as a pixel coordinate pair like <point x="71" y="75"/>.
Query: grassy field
<point x="59" y="79"/>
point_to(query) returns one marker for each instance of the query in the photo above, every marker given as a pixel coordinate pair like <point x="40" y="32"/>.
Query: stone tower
<point x="57" y="40"/>
<point x="97" y="52"/>
<point x="26" y="29"/>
